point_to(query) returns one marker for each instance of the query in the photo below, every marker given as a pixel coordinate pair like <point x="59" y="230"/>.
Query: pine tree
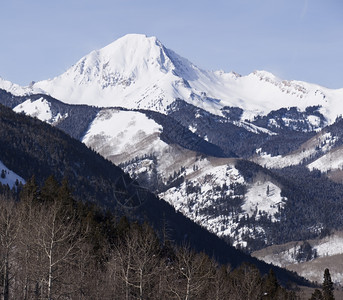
<point x="50" y="190"/>
<point x="317" y="295"/>
<point x="271" y="285"/>
<point x="30" y="191"/>
<point x="328" y="286"/>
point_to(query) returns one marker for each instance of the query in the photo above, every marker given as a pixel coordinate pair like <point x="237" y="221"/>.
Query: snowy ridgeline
<point x="40" y="109"/>
<point x="143" y="73"/>
<point x="8" y="177"/>
<point x="322" y="143"/>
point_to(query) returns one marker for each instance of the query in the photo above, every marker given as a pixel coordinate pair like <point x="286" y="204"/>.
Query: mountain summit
<point x="137" y="71"/>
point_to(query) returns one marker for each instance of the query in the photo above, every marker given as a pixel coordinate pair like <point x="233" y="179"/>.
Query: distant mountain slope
<point x="173" y="155"/>
<point x="72" y="119"/>
<point x="31" y="147"/>
<point x="308" y="258"/>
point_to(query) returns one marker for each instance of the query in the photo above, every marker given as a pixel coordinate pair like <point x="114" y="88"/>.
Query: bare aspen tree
<point x="193" y="271"/>
<point x="9" y="230"/>
<point x="136" y="259"/>
<point x="55" y="240"/>
<point x="220" y="288"/>
<point x="246" y="283"/>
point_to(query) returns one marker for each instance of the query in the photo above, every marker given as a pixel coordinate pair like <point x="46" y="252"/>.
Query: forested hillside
<point x="311" y="206"/>
<point x="53" y="247"/>
<point x="30" y="147"/>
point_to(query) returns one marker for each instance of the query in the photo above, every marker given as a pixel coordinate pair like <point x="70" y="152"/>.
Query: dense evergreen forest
<point x="53" y="247"/>
<point x="312" y="204"/>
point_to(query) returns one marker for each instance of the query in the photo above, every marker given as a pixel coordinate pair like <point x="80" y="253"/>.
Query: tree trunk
<point x="6" y="279"/>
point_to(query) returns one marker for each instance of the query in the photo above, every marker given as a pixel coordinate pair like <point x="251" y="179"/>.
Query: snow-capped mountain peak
<point x="137" y="71"/>
<point x="134" y="71"/>
<point x="129" y="55"/>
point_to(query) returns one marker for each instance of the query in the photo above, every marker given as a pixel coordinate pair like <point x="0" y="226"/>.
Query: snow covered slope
<point x="332" y="160"/>
<point x="13" y="88"/>
<point x="9" y="177"/>
<point x="322" y="152"/>
<point x="328" y="253"/>
<point x="215" y="195"/>
<point x="137" y="71"/>
<point x="123" y="135"/>
<point x="41" y="109"/>
<point x="208" y="190"/>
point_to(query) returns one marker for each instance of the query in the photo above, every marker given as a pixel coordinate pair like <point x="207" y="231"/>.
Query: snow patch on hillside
<point x="329" y="252"/>
<point x="264" y="197"/>
<point x="323" y="142"/>
<point x="213" y="195"/>
<point x="330" y="245"/>
<point x="199" y="197"/>
<point x="9" y="177"/>
<point x="253" y="128"/>
<point x="121" y="135"/>
<point x="330" y="161"/>
<point x="39" y="109"/>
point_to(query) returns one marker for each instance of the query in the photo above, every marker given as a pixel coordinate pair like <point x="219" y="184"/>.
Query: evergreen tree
<point x="317" y="295"/>
<point x="271" y="285"/>
<point x="30" y="191"/>
<point x="328" y="286"/>
<point x="50" y="190"/>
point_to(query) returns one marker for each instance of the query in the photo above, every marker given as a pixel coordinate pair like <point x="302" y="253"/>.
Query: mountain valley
<point x="253" y="159"/>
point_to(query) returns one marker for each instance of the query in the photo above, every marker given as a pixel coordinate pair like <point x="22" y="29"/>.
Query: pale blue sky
<point x="294" y="39"/>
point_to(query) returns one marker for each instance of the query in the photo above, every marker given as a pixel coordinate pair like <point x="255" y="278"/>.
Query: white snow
<point x="323" y="142"/>
<point x="192" y="128"/>
<point x="136" y="71"/>
<point x="10" y="176"/>
<point x="13" y="88"/>
<point x="204" y="202"/>
<point x="253" y="128"/>
<point x="265" y="197"/>
<point x="329" y="161"/>
<point x="330" y="245"/>
<point x="314" y="121"/>
<point x="329" y="255"/>
<point x="40" y="109"/>
<point x="205" y="179"/>
<point x="123" y="133"/>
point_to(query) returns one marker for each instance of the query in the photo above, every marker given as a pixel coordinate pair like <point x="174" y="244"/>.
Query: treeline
<point x="53" y="247"/>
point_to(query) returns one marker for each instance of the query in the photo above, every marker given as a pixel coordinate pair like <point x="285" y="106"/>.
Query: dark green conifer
<point x="271" y="285"/>
<point x="328" y="286"/>
<point x="317" y="295"/>
<point x="50" y="190"/>
<point x="30" y="191"/>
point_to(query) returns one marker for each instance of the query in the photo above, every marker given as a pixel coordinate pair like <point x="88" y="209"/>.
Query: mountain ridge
<point x="137" y="71"/>
<point x="176" y="129"/>
<point x="29" y="146"/>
